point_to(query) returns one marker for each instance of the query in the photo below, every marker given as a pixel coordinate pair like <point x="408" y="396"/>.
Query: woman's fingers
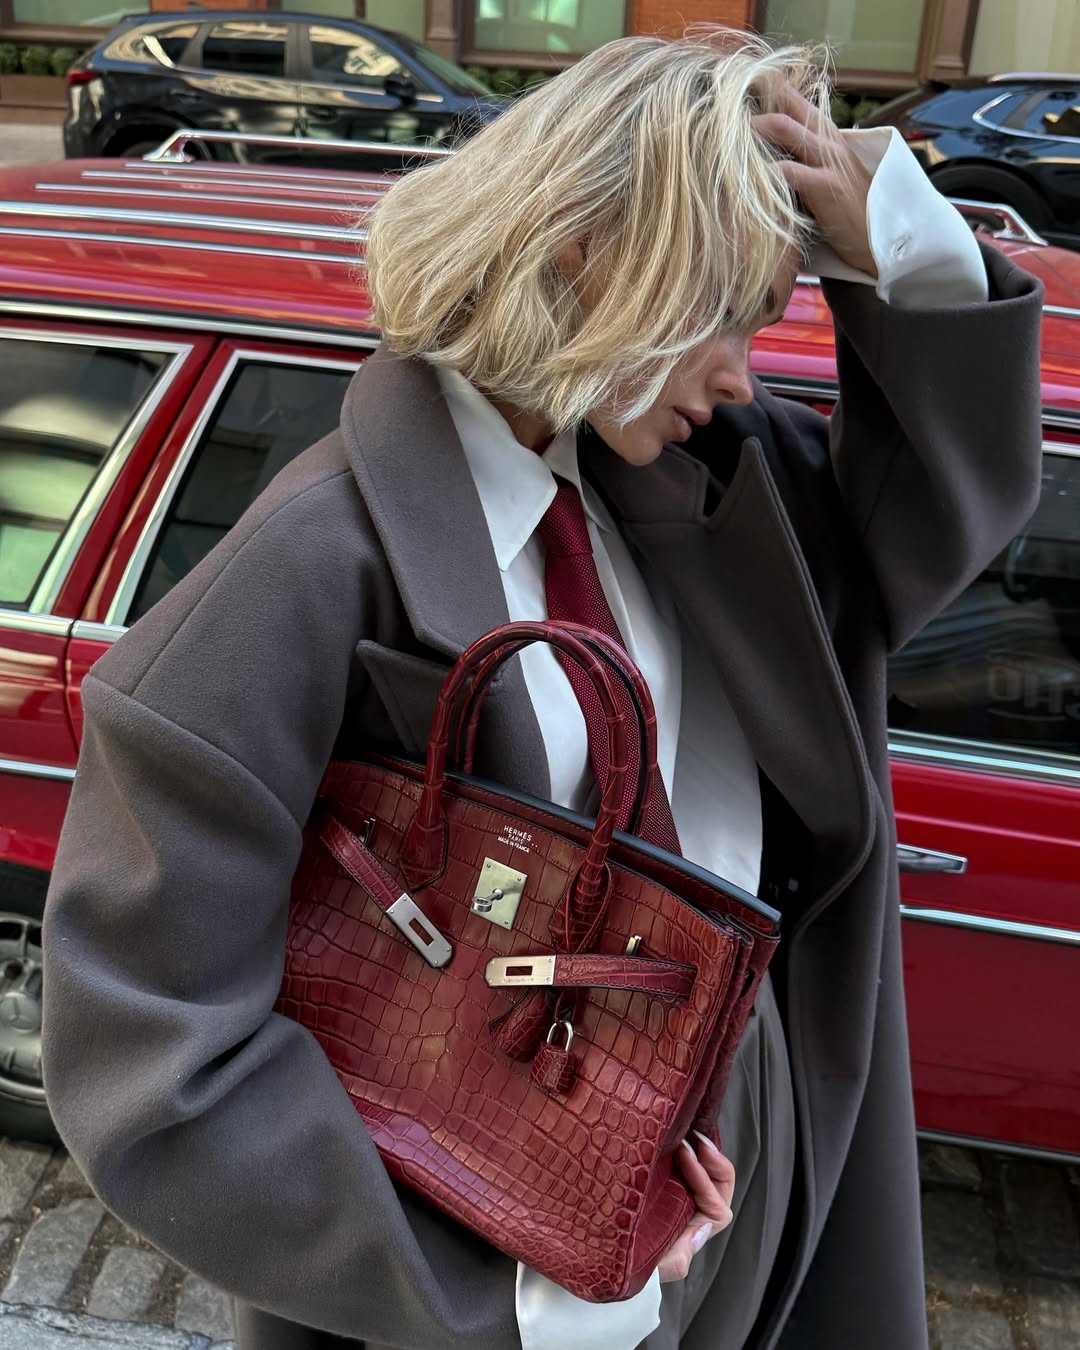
<point x="711" y="1180"/>
<point x="788" y="133"/>
<point x="706" y="1193"/>
<point x="799" y="107"/>
<point x="721" y="1170"/>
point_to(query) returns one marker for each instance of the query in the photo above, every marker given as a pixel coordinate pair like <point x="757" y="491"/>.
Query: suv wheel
<point x="23" y="1112"/>
<point x="994" y="185"/>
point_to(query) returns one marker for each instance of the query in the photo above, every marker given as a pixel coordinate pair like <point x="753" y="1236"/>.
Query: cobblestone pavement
<point x="1002" y="1261"/>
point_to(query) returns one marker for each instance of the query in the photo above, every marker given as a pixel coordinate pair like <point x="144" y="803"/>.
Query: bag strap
<point x="592" y="970"/>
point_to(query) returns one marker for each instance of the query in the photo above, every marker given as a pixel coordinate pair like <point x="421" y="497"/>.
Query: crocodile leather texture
<point x="559" y="1151"/>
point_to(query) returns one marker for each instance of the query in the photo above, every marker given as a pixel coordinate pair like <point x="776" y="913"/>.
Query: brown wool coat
<point x="218" y="1129"/>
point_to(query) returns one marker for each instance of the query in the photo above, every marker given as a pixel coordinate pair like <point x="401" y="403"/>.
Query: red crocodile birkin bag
<point x="529" y="1008"/>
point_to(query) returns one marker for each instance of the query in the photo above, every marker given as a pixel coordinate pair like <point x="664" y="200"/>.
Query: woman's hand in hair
<point x="823" y="169"/>
<point x="710" y="1178"/>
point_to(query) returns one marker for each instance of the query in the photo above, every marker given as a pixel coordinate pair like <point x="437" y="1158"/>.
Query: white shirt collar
<point x="516" y="485"/>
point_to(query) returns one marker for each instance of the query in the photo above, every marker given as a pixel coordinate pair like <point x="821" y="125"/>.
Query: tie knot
<point x="563" y="527"/>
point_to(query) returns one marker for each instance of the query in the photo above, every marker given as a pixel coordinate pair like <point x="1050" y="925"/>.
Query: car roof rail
<point x="997" y="219"/>
<point x="1034" y="77"/>
<point x="175" y="149"/>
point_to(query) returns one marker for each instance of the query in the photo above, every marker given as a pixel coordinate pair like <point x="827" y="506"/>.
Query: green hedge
<point x="35" y="59"/>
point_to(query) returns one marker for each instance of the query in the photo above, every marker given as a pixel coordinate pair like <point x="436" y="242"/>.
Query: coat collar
<point x="405" y="454"/>
<point x="732" y="561"/>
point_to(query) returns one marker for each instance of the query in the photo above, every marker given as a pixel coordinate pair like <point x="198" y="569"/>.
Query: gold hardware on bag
<point x="498" y="893"/>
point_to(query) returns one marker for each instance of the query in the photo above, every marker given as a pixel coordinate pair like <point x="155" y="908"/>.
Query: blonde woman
<point x="568" y="306"/>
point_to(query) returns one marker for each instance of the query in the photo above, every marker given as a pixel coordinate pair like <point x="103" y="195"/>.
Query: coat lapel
<point x="405" y="453"/>
<point x="744" y="592"/>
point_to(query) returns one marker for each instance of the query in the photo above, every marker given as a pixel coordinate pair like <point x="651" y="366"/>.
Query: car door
<point x="243" y="71"/>
<point x="255" y="408"/>
<point x="984" y="715"/>
<point x="355" y="88"/>
<point x="81" y="411"/>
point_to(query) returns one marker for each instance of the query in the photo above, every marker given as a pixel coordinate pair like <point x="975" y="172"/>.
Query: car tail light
<point x="916" y="133"/>
<point x="82" y="75"/>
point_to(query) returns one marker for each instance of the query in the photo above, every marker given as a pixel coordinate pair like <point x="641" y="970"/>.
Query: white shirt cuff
<point x="547" y="1315"/>
<point x="925" y="252"/>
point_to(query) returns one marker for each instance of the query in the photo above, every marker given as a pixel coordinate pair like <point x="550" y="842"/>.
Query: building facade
<point x="880" y="46"/>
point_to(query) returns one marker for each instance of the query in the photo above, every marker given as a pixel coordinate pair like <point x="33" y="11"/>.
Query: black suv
<point x="297" y="75"/>
<point x="1013" y="139"/>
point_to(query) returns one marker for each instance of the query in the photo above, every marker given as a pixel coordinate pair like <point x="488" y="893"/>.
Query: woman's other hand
<point x="710" y="1178"/>
<point x="824" y="170"/>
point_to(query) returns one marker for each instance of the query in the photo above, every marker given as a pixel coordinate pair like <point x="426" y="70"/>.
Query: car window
<point x="169" y="44"/>
<point x="63" y="409"/>
<point x="1002" y="663"/>
<point x="267" y="415"/>
<point x="1056" y="115"/>
<point x="246" y="47"/>
<point x="341" y="57"/>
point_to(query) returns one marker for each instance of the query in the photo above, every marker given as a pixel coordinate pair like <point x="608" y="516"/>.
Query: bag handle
<point x="423" y="849"/>
<point x="634" y="683"/>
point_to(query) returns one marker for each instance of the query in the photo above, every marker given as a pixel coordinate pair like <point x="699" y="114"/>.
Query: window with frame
<point x="1002" y="663"/>
<point x="64" y="407"/>
<point x="549" y="27"/>
<point x="267" y="415"/>
<point x="341" y="57"/>
<point x="865" y="34"/>
<point x="246" y="47"/>
<point x="1055" y="115"/>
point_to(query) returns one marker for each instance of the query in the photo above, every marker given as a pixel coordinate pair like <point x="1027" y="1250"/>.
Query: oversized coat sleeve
<point x="205" y="1120"/>
<point x="936" y="439"/>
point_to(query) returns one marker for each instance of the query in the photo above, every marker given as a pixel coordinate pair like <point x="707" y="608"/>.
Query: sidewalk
<point x="29" y="145"/>
<point x="1002" y="1261"/>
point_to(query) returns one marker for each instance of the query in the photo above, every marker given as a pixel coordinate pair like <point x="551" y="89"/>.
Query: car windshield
<point x="460" y="81"/>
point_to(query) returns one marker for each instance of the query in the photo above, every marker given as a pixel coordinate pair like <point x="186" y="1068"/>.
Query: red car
<point x="174" y="332"/>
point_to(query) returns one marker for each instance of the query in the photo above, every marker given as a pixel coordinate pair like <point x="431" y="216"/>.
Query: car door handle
<point x="929" y="860"/>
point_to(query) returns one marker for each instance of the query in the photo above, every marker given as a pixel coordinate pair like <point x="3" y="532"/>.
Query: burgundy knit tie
<point x="574" y="594"/>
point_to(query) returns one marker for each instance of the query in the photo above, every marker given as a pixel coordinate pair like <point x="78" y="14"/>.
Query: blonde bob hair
<point x="643" y="162"/>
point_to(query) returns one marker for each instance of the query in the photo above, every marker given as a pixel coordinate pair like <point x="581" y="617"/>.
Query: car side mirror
<point x="399" y="85"/>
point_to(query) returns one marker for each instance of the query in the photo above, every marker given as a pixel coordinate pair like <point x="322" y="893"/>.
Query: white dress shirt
<point x="925" y="255"/>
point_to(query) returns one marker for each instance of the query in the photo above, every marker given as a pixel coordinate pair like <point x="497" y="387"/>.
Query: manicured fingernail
<point x="705" y="1140"/>
<point x="700" y="1236"/>
<point x="690" y="1148"/>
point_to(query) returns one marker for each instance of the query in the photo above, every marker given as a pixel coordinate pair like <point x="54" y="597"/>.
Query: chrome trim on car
<point x="378" y="186"/>
<point x="286" y="175"/>
<point x="171" y="151"/>
<point x="25" y="621"/>
<point x="71" y="539"/>
<point x="219" y="326"/>
<point x="236" y="199"/>
<point x="1033" y="77"/>
<point x="136" y="565"/>
<point x="979" y="115"/>
<point x="982" y="757"/>
<point x="1052" y="1155"/>
<point x="914" y="858"/>
<point x="983" y="923"/>
<point x="230" y="224"/>
<point x="27" y="770"/>
<point x="1011" y="224"/>
<point x="97" y="632"/>
<point x="196" y="245"/>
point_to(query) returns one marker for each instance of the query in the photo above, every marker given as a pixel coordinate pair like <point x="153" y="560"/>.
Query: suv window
<point x="341" y="57"/>
<point x="1056" y="114"/>
<point x="268" y="414"/>
<point x="168" y="45"/>
<point x="1002" y="663"/>
<point x="245" y="47"/>
<point x="63" y="409"/>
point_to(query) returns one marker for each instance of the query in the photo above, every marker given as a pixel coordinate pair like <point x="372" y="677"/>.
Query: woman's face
<point x="717" y="372"/>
